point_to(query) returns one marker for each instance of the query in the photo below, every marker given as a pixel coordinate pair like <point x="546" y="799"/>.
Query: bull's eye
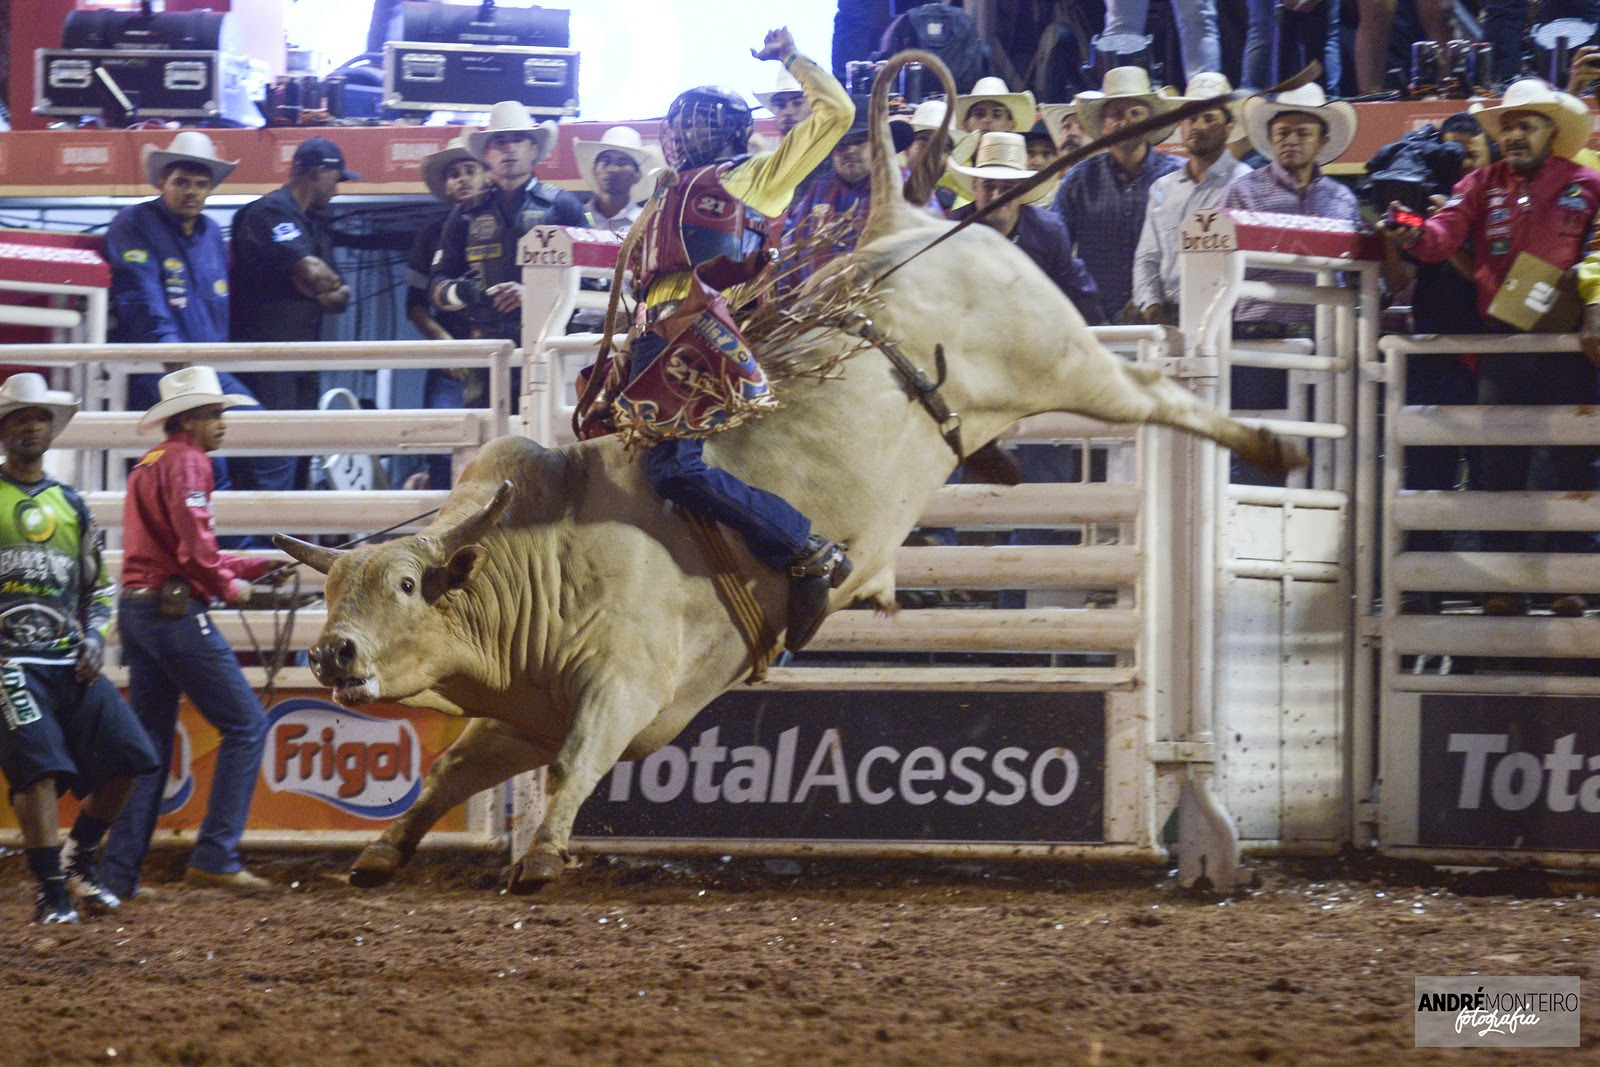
<point x="408" y="586"/>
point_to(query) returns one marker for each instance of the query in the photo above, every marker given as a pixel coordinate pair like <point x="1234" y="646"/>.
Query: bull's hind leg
<point x="1131" y="393"/>
<point x="486" y="754"/>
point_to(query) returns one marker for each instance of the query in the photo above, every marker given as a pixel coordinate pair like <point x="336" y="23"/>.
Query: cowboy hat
<point x="1207" y="85"/>
<point x="28" y="390"/>
<point x="626" y="140"/>
<point x="899" y="131"/>
<point x="995" y="154"/>
<point x="1019" y="104"/>
<point x="1338" y="116"/>
<point x="785" y="83"/>
<point x="187" y="389"/>
<point x="927" y="116"/>
<point x="1569" y="113"/>
<point x="1125" y="83"/>
<point x="435" y="165"/>
<point x="508" y="116"/>
<point x="190" y="146"/>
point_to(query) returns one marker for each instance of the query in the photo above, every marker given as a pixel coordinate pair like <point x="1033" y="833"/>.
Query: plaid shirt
<point x="1104" y="212"/>
<point x="1272" y="189"/>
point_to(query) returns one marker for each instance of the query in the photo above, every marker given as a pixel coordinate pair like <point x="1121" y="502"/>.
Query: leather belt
<point x="142" y="594"/>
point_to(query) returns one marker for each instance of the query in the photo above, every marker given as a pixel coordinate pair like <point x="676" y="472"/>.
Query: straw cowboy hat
<point x="785" y="83"/>
<point x="190" y="146"/>
<point x="1338" y="116"/>
<point x="1569" y="113"/>
<point x="187" y="389"/>
<point x="624" y="139"/>
<point x="508" y="116"/>
<point x="28" y="390"/>
<point x="927" y="116"/>
<point x="1019" y="104"/>
<point x="999" y="155"/>
<point x="434" y="166"/>
<point x="1125" y="83"/>
<point x="1209" y="84"/>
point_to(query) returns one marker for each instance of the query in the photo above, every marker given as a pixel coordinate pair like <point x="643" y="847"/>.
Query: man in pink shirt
<point x="171" y="571"/>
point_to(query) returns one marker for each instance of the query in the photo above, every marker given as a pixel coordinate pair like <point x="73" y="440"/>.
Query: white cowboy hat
<point x="1209" y="84"/>
<point x="190" y="146"/>
<point x="1124" y="83"/>
<point x="624" y="139"/>
<point x="927" y="116"/>
<point x="187" y="389"/>
<point x="1338" y="116"/>
<point x="28" y="390"/>
<point x="995" y="155"/>
<point x="1570" y="114"/>
<point x="434" y="166"/>
<point x="1019" y="104"/>
<point x="508" y="116"/>
<point x="785" y="83"/>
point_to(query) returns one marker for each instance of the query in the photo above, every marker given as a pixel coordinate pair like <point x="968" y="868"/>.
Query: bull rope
<point x="736" y="596"/>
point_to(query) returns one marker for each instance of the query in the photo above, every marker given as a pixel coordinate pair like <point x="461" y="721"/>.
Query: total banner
<point x="325" y="767"/>
<point x="868" y="766"/>
<point x="1509" y="772"/>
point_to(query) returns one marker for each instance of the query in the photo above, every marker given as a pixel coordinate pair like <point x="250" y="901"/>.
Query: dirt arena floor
<point x="783" y="962"/>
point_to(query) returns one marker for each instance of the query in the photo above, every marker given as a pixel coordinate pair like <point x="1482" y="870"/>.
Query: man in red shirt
<point x="171" y="571"/>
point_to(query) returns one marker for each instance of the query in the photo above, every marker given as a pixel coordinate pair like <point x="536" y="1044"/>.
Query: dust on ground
<point x="781" y="962"/>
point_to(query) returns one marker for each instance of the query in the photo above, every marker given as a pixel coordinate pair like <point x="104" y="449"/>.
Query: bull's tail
<point x="889" y="208"/>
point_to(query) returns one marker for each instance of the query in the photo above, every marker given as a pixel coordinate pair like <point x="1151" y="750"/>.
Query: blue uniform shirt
<point x="167" y="288"/>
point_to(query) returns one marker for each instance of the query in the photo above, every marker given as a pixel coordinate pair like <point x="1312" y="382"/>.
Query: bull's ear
<point x="463" y="565"/>
<point x="314" y="556"/>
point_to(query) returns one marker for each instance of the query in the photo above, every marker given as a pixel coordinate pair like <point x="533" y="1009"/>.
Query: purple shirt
<point x="1272" y="189"/>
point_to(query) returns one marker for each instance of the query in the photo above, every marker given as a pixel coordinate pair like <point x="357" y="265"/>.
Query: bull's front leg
<point x="608" y="718"/>
<point x="487" y="753"/>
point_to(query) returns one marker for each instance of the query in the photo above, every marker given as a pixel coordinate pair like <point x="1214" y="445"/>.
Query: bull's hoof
<point x="376" y="865"/>
<point x="535" y="871"/>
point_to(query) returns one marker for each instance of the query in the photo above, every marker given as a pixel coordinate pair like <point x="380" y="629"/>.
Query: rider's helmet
<point x="704" y="125"/>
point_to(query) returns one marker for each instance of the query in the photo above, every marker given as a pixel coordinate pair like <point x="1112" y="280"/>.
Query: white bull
<point x="558" y="602"/>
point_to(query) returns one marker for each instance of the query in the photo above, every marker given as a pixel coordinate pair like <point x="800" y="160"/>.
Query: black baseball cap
<point x="321" y="152"/>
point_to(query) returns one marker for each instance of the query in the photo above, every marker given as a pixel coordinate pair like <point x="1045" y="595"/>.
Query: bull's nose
<point x="332" y="657"/>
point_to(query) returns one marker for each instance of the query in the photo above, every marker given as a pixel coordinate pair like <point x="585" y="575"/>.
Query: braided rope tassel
<point x="740" y="602"/>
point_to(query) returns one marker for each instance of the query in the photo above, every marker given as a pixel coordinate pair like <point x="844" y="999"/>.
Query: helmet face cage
<point x="704" y="125"/>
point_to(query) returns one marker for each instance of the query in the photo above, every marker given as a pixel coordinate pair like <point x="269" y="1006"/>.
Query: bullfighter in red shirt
<point x="171" y="571"/>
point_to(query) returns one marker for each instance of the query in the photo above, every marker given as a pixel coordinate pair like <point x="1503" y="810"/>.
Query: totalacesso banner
<point x="324" y="768"/>
<point x="1509" y="772"/>
<point x="876" y="766"/>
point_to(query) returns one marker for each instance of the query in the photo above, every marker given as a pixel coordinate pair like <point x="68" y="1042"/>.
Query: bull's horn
<point x="470" y="530"/>
<point x="314" y="556"/>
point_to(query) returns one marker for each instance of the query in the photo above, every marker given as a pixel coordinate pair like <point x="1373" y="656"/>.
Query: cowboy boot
<point x="819" y="568"/>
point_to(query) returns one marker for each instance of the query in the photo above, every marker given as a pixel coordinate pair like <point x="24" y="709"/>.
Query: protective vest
<point x="51" y="579"/>
<point x="698" y="221"/>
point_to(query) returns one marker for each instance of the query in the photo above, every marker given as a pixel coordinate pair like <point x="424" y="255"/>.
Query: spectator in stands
<point x="1174" y="197"/>
<point x="169" y="267"/>
<point x="621" y="171"/>
<point x="1301" y="131"/>
<point x="992" y="106"/>
<point x="788" y="104"/>
<point x="454" y="176"/>
<point x="1103" y="199"/>
<point x="62" y="723"/>
<point x="1301" y="31"/>
<point x="1065" y="125"/>
<point x="171" y="571"/>
<point x="476" y="270"/>
<point x="1371" y="51"/>
<point x="1197" y="30"/>
<point x="1001" y="161"/>
<point x="845" y="191"/>
<point x="283" y="282"/>
<point x="1537" y="201"/>
<point x="923" y="126"/>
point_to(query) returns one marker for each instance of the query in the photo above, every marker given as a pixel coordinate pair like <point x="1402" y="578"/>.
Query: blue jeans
<point x="1505" y="22"/>
<point x="278" y="391"/>
<point x="166" y="658"/>
<point x="439" y="390"/>
<point x="1298" y="37"/>
<point x="1197" y="30"/>
<point x="774" y="530"/>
